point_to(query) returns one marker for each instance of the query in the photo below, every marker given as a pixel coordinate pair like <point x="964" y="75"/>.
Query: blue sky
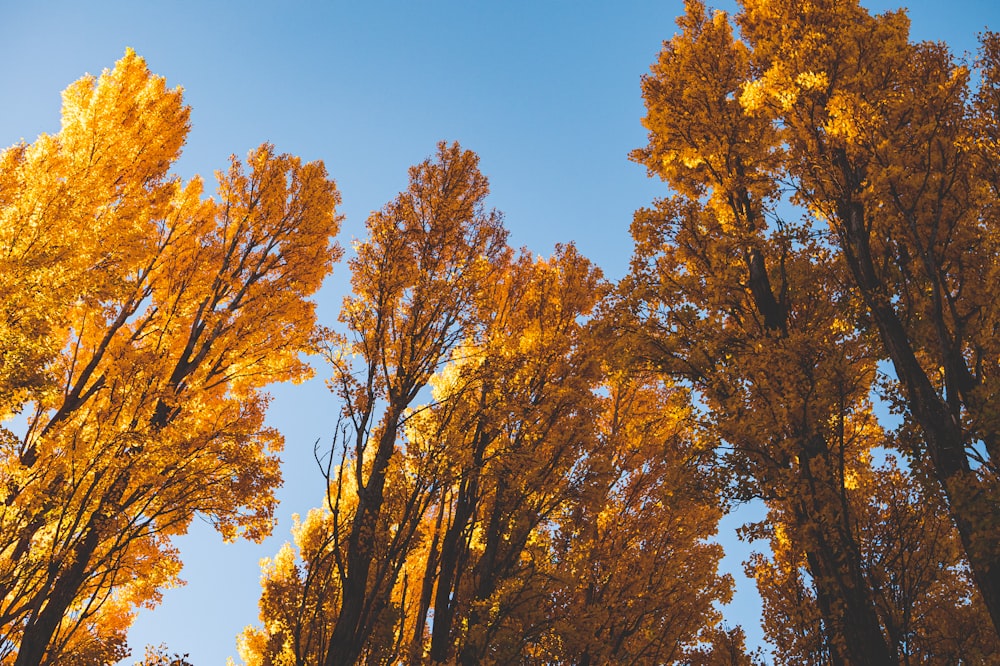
<point x="547" y="92"/>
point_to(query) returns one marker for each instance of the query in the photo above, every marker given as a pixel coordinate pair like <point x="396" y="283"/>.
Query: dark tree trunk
<point x="350" y="631"/>
<point x="943" y="433"/>
<point x="41" y="627"/>
<point x="453" y="551"/>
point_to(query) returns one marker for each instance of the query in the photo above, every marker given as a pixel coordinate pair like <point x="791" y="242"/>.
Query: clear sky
<point x="545" y="91"/>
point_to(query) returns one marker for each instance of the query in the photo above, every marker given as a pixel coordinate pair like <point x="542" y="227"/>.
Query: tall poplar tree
<point x="749" y="309"/>
<point x="884" y="141"/>
<point x="145" y="320"/>
<point x="833" y="209"/>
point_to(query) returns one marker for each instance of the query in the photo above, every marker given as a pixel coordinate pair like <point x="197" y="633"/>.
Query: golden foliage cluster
<point x="142" y="321"/>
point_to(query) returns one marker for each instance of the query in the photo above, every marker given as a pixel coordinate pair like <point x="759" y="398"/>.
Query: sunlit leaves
<point x="160" y="317"/>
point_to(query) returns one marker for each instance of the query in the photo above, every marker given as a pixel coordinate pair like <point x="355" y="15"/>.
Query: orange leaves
<point x="779" y="325"/>
<point x="700" y="140"/>
<point x="427" y="252"/>
<point x="159" y="316"/>
<point x="415" y="282"/>
<point x="464" y="529"/>
<point x="123" y="129"/>
<point x="641" y="578"/>
<point x="77" y="207"/>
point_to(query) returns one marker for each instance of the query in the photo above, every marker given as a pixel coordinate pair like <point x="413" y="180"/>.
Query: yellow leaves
<point x="142" y="321"/>
<point x="135" y="101"/>
<point x="756" y="94"/>
<point x="416" y="280"/>
<point x="812" y="80"/>
<point x="454" y="376"/>
<point x="703" y="141"/>
<point x="282" y="567"/>
<point x="846" y="117"/>
<point x="120" y="133"/>
<point x="780" y="88"/>
<point x="310" y="535"/>
<point x="416" y="276"/>
<point x="755" y="311"/>
<point x="779" y="541"/>
<point x="85" y="200"/>
<point x="634" y="552"/>
<point x="689" y="160"/>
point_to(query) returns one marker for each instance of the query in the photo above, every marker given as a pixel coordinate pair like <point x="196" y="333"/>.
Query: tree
<point x="157" y="335"/>
<point x="414" y="284"/>
<point x="576" y="502"/>
<point x="882" y="140"/>
<point x="750" y="310"/>
<point x="639" y="576"/>
<point x="159" y="656"/>
<point x="725" y="647"/>
<point x="516" y="412"/>
<point x="829" y="113"/>
<point x="924" y="597"/>
<point x="414" y="279"/>
<point x="300" y="597"/>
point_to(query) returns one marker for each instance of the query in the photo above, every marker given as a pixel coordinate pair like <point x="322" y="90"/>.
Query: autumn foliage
<point x="530" y="462"/>
<point x="504" y="518"/>
<point x="831" y="218"/>
<point x="142" y="322"/>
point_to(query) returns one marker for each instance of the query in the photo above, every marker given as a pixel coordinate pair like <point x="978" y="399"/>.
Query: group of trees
<point x="536" y="507"/>
<point x="530" y="462"/>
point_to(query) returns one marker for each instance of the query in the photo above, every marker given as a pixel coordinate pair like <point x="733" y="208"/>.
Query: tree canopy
<point x="530" y="461"/>
<point x="143" y="322"/>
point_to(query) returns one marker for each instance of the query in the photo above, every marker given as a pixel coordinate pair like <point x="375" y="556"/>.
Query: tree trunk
<point x="842" y="593"/>
<point x="943" y="434"/>
<point x="416" y="652"/>
<point x="350" y="632"/>
<point x="453" y="550"/>
<point x="486" y="574"/>
<point x="41" y="627"/>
